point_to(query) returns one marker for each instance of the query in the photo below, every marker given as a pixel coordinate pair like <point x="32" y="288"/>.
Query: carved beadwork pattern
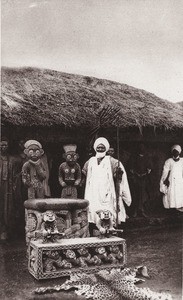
<point x="91" y="255"/>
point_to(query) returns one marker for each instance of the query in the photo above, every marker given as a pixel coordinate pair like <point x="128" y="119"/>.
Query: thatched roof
<point x="43" y="97"/>
<point x="180" y="103"/>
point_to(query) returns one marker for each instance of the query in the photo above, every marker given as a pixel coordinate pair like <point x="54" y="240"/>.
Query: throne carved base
<point x="89" y="255"/>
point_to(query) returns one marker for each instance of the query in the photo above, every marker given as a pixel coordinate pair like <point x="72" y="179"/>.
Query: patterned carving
<point x="61" y="224"/>
<point x="63" y="219"/>
<point x="80" y="216"/>
<point x="33" y="259"/>
<point x="31" y="222"/>
<point x="52" y="260"/>
<point x="31" y="225"/>
<point x="73" y="223"/>
<point x="89" y="255"/>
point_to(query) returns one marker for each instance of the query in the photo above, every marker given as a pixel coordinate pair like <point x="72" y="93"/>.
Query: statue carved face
<point x="71" y="158"/>
<point x="83" y="251"/>
<point x="100" y="250"/>
<point x="105" y="215"/>
<point x="49" y="216"/>
<point x="34" y="152"/>
<point x="70" y="254"/>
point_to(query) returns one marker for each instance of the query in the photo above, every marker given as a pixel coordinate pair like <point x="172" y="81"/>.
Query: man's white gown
<point x="100" y="188"/>
<point x="173" y="195"/>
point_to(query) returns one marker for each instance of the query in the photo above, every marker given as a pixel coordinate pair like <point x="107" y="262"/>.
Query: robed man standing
<point x="101" y="172"/>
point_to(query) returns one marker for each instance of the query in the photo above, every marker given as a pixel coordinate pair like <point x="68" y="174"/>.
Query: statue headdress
<point x="70" y="148"/>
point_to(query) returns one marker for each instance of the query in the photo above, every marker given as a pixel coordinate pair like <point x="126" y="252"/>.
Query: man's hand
<point x="166" y="182"/>
<point x="119" y="173"/>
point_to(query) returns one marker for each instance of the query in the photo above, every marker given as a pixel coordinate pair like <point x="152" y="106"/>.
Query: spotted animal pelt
<point x="115" y="284"/>
<point x="90" y="287"/>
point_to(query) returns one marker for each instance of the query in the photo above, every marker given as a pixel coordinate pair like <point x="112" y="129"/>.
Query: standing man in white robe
<point x="171" y="183"/>
<point x="101" y="173"/>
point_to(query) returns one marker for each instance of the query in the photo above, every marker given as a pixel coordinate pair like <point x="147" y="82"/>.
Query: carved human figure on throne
<point x="33" y="170"/>
<point x="49" y="228"/>
<point x="70" y="172"/>
<point x="104" y="222"/>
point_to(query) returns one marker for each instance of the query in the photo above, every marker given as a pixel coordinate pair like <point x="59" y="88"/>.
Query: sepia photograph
<point x="91" y="165"/>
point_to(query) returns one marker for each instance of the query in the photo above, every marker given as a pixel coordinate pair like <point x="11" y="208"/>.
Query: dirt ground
<point x="160" y="249"/>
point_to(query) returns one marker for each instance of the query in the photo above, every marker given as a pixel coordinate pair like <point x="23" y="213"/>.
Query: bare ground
<point x="160" y="249"/>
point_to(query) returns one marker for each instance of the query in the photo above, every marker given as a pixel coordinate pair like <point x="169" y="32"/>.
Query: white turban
<point x="103" y="141"/>
<point x="176" y="147"/>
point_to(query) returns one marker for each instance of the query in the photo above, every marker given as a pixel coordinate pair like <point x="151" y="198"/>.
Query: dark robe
<point x="8" y="171"/>
<point x="140" y="183"/>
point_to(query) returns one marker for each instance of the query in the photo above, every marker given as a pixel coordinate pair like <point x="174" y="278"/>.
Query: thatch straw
<point x="42" y="97"/>
<point x="180" y="103"/>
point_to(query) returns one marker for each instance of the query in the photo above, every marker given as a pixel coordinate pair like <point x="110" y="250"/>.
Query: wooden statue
<point x="33" y="170"/>
<point x="70" y="172"/>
